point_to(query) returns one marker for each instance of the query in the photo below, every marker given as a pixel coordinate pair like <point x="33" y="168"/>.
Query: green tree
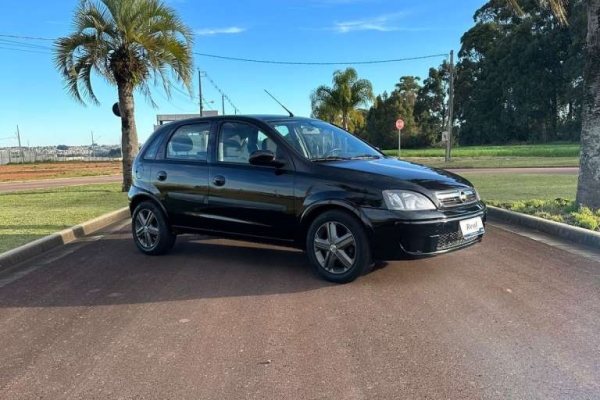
<point x="519" y="78"/>
<point x="381" y="119"/>
<point x="408" y="88"/>
<point x="341" y="101"/>
<point x="588" y="188"/>
<point x="431" y="111"/>
<point x="129" y="43"/>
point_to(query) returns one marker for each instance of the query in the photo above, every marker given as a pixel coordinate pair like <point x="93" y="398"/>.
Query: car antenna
<point x="278" y="102"/>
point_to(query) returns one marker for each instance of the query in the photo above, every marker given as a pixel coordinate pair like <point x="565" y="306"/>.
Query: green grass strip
<point x="26" y="216"/>
<point x="542" y="150"/>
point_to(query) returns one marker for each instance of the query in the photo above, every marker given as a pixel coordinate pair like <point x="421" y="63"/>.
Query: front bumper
<point x="393" y="235"/>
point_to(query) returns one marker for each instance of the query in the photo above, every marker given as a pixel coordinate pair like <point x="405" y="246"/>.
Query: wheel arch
<point x="318" y="208"/>
<point x="144" y="196"/>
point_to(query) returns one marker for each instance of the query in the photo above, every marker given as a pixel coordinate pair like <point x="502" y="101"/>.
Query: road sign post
<point x="399" y="126"/>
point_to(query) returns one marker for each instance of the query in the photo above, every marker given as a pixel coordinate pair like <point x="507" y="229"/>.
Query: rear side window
<point x="189" y="142"/>
<point x="150" y="154"/>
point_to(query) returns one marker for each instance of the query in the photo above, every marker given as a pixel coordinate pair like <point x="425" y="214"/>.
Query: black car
<point x="301" y="183"/>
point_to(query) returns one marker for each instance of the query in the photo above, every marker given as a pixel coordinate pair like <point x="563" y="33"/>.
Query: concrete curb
<point x="572" y="233"/>
<point x="41" y="245"/>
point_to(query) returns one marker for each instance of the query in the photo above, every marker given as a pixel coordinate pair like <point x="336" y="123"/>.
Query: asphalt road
<point x="510" y="318"/>
<point x="50" y="183"/>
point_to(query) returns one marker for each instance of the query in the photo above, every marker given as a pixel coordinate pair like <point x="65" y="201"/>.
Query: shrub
<point x="585" y="218"/>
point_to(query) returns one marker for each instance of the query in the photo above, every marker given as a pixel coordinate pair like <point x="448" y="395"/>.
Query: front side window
<point x="189" y="142"/>
<point x="320" y="141"/>
<point x="238" y="140"/>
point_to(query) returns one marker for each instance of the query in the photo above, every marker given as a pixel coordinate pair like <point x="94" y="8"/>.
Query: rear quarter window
<point x="152" y="150"/>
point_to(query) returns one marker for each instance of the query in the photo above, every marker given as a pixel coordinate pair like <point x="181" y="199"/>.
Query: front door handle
<point x="161" y="175"/>
<point x="219" y="180"/>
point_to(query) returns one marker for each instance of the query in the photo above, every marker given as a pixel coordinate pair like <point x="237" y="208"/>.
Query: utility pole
<point x="93" y="146"/>
<point x="223" y="103"/>
<point x="200" y="89"/>
<point x="450" y="107"/>
<point x="20" y="148"/>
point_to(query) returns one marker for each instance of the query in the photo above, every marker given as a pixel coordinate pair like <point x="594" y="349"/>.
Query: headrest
<point x="181" y="143"/>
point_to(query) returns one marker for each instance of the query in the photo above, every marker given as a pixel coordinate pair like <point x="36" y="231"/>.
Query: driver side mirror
<point x="265" y="158"/>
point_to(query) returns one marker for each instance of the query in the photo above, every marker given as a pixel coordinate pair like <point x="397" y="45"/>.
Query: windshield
<point x="321" y="141"/>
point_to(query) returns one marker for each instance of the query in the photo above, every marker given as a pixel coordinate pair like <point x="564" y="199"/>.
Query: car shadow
<point x="112" y="271"/>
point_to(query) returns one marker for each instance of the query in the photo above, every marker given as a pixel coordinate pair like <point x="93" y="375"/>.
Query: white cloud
<point x="381" y="23"/>
<point x="218" y="31"/>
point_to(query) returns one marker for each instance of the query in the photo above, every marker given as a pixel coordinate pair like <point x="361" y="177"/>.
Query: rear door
<point x="248" y="199"/>
<point x="180" y="173"/>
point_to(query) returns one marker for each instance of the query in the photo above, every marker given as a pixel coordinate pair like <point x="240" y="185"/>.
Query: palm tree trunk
<point x="129" y="139"/>
<point x="345" y="120"/>
<point x="588" y="188"/>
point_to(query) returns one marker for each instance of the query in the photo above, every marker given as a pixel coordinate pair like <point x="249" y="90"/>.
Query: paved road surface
<point x="48" y="183"/>
<point x="510" y="318"/>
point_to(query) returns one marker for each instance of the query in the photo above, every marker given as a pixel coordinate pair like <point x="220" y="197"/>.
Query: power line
<point x="220" y="91"/>
<point x="24" y="50"/>
<point x="278" y="62"/>
<point x="26" y="37"/>
<point x="394" y="60"/>
<point x="207" y="104"/>
<point x="22" y="44"/>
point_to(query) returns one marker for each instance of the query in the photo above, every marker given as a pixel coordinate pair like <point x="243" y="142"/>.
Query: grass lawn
<point x="496" y="162"/>
<point x="542" y="150"/>
<point x="26" y="216"/>
<point x="546" y="196"/>
<point x="512" y="187"/>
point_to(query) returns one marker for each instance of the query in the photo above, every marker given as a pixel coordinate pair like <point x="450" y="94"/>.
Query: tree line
<point x="519" y="78"/>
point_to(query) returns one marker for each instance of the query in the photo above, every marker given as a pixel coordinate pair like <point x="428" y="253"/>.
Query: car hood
<point x="393" y="173"/>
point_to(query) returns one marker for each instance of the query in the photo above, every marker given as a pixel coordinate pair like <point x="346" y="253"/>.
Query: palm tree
<point x="128" y="43"/>
<point x="588" y="187"/>
<point x="342" y="99"/>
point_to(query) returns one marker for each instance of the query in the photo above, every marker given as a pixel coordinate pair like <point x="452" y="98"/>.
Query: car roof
<point x="243" y="117"/>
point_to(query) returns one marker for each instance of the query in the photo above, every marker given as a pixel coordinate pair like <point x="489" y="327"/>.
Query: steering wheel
<point x="334" y="150"/>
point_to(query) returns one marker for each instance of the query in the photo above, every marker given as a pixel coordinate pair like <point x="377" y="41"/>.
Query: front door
<point x="248" y="199"/>
<point x="180" y="174"/>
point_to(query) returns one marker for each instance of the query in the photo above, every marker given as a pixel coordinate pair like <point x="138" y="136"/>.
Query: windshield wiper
<point x="364" y="156"/>
<point x="329" y="158"/>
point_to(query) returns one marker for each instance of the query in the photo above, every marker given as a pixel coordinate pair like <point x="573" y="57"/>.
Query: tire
<point x="340" y="256"/>
<point x="151" y="232"/>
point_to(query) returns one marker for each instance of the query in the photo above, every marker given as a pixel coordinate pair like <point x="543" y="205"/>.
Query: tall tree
<point x="342" y="100"/>
<point x="129" y="43"/>
<point x="588" y="188"/>
<point x="519" y="78"/>
<point x="408" y="88"/>
<point x="430" y="110"/>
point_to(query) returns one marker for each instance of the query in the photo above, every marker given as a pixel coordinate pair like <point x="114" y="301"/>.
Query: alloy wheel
<point x="335" y="247"/>
<point x="146" y="229"/>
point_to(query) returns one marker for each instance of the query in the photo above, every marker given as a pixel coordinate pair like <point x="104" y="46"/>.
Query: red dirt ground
<point x="25" y="172"/>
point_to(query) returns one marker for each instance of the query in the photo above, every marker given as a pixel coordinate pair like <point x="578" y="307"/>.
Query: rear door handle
<point x="161" y="175"/>
<point x="219" y="180"/>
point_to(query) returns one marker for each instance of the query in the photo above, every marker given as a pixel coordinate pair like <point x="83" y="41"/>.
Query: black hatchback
<point x="301" y="183"/>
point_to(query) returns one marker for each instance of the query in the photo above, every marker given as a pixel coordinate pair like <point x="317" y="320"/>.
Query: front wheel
<point x="151" y="232"/>
<point x="338" y="247"/>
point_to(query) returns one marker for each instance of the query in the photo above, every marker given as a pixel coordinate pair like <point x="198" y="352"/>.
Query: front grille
<point x="456" y="198"/>
<point x="453" y="239"/>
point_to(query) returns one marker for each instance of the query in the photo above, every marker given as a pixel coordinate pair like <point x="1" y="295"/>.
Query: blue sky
<point x="291" y="30"/>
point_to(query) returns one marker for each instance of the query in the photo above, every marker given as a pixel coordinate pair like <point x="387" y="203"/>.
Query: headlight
<point x="407" y="200"/>
<point x="477" y="194"/>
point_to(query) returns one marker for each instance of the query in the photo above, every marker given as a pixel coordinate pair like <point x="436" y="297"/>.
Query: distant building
<point x="162" y="119"/>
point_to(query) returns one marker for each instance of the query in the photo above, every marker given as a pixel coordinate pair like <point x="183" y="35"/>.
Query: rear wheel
<point x="151" y="232"/>
<point x="337" y="247"/>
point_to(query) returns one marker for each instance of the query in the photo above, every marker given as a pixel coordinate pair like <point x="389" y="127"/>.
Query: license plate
<point x="471" y="227"/>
